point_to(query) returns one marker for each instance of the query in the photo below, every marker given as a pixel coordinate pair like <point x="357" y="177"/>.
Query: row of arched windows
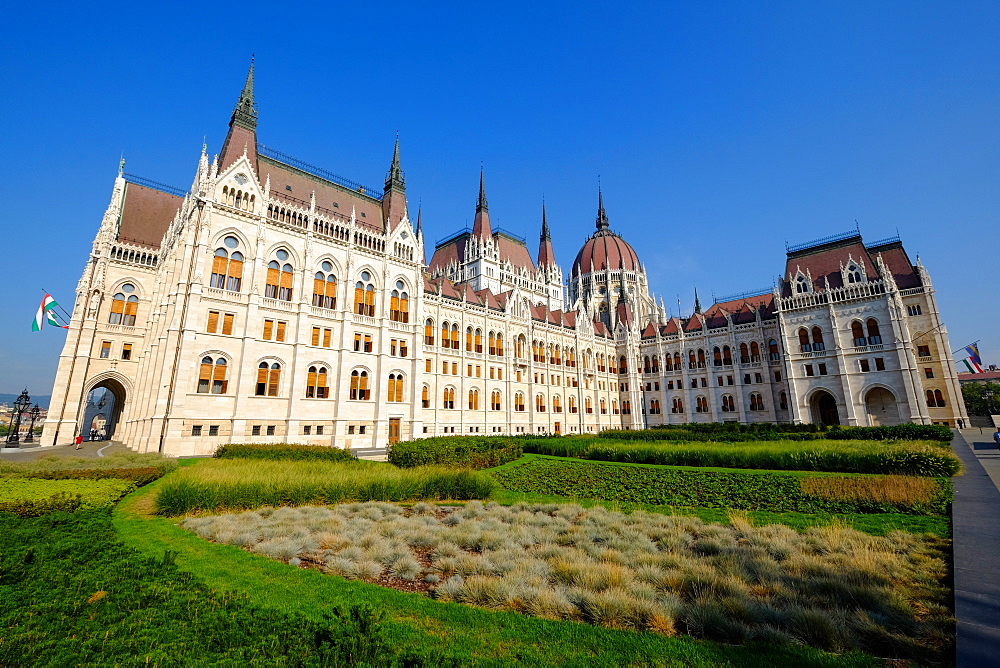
<point x="867" y="334"/>
<point x="239" y="199"/>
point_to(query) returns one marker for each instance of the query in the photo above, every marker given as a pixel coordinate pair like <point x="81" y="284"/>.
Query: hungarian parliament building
<point x="276" y="302"/>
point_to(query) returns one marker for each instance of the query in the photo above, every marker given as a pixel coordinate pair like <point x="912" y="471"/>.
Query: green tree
<point x="981" y="398"/>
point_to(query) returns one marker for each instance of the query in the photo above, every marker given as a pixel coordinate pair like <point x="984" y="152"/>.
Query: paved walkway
<point x="89" y="450"/>
<point x="976" y="536"/>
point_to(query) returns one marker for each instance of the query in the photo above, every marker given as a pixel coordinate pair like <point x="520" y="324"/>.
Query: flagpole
<point x="66" y="314"/>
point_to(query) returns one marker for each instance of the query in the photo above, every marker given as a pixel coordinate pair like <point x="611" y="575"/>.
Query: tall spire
<point x="602" y="217"/>
<point x="242" y="137"/>
<point x="697" y="302"/>
<point x="546" y="256"/>
<point x="245" y="113"/>
<point x="481" y="224"/>
<point x="420" y="220"/>
<point x="395" y="180"/>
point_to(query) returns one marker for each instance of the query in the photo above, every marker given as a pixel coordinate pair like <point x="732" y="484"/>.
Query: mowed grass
<point x="832" y="587"/>
<point x="921" y="458"/>
<point x="118" y="460"/>
<point x="234" y="484"/>
<point x="469" y="635"/>
<point x="92" y="493"/>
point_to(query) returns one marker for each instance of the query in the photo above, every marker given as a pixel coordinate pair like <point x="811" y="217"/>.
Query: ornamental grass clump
<point x="831" y="587"/>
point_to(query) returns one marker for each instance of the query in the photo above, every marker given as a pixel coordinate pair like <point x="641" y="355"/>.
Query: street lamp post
<point x="20" y="405"/>
<point x="34" y="412"/>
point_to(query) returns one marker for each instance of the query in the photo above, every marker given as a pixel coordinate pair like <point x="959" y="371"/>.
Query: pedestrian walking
<point x="996" y="437"/>
<point x="78" y="441"/>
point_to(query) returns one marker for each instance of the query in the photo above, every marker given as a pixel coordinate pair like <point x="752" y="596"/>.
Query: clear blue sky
<point x="719" y="130"/>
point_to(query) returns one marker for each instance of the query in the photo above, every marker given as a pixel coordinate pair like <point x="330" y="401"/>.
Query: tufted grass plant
<point x="235" y="484"/>
<point x="829" y="587"/>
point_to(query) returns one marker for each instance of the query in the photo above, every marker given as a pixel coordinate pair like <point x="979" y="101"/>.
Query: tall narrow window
<point x="874" y="336"/>
<point x="804" y="344"/>
<point x="571" y="402"/>
<point x="519" y="402"/>
<point x="227" y="266"/>
<point x="359" y="385"/>
<point x="364" y="295"/>
<point x="279" y="278"/>
<point x="495" y="400"/>
<point x="325" y="287"/>
<point x="772" y="350"/>
<point x="588" y="405"/>
<point x="540" y="403"/>
<point x="395" y="389"/>
<point x="454" y="337"/>
<point x="212" y="377"/>
<point x="449" y="398"/>
<point x="468" y="339"/>
<point x="604" y="407"/>
<point x="473" y="400"/>
<point x="479" y="340"/>
<point x="399" y="309"/>
<point x="126" y="351"/>
<point x="858" y="334"/>
<point x="556" y="404"/>
<point x="818" y="339"/>
<point x="425" y="398"/>
<point x="268" y="377"/>
<point x="316" y="383"/>
<point x="429" y="332"/>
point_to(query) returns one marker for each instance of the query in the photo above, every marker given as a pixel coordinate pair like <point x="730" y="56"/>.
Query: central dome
<point x="605" y="249"/>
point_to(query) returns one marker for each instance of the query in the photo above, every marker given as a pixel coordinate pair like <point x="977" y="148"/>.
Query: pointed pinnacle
<point x="245" y="112"/>
<point x="545" y="225"/>
<point x="482" y="205"/>
<point x="602" y="216"/>
<point x="420" y="221"/>
<point x="395" y="176"/>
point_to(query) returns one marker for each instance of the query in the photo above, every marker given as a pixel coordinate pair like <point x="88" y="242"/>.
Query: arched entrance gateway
<point x="824" y="408"/>
<point x="881" y="407"/>
<point x="102" y="410"/>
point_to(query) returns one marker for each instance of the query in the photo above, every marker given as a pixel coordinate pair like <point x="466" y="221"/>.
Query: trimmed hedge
<point x="477" y="452"/>
<point x="734" y="432"/>
<point x="94" y="601"/>
<point x="919" y="459"/>
<point x="61" y="502"/>
<point x="774" y="492"/>
<point x="292" y="451"/>
<point x="31" y="493"/>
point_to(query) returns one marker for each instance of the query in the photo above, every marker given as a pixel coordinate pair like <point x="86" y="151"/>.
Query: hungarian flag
<point x="974" y="357"/>
<point x="45" y="313"/>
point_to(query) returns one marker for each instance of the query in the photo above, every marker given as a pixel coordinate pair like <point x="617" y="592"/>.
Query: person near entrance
<point x="996" y="438"/>
<point x="78" y="440"/>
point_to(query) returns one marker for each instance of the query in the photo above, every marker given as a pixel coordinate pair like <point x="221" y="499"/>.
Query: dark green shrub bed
<point x="140" y="476"/>
<point x="925" y="459"/>
<point x="283" y="451"/>
<point x="63" y="501"/>
<point x="72" y="594"/>
<point x="775" y="492"/>
<point x="477" y="452"/>
<point x="730" y="432"/>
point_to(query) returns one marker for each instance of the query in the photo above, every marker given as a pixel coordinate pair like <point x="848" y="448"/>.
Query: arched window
<point x="783" y="401"/>
<point x="755" y="351"/>
<point x="626" y="407"/>
<point x="716" y="356"/>
<point x="429" y="332"/>
<point x="692" y="360"/>
<point x="123" y="309"/>
<point x="874" y="337"/>
<point x="279" y="278"/>
<point x="316" y="384"/>
<point x="853" y="274"/>
<point x="939" y="398"/>
<point x="654" y="407"/>
<point x="468" y="339"/>
<point x="858" y="333"/>
<point x="656" y="363"/>
<point x="772" y="350"/>
<point x="801" y="285"/>
<point x="744" y="354"/>
<point x="604" y="407"/>
<point x="931" y="402"/>
<point x="364" y="295"/>
<point x="212" y="377"/>
<point x="449" y="397"/>
<point x="519" y="402"/>
<point x="359" y="385"/>
<point x="495" y="400"/>
<point x="678" y="406"/>
<point x="588" y="405"/>
<point x="454" y="336"/>
<point x="395" y="389"/>
<point x="558" y="359"/>
<point x="325" y="287"/>
<point x="492" y="343"/>
<point x="540" y="403"/>
<point x="473" y="399"/>
<point x="571" y="357"/>
<point x="818" y="339"/>
<point x="756" y="401"/>
<point x="556" y="404"/>
<point x="571" y="402"/>
<point x="727" y="355"/>
<point x="622" y="364"/>
<point x="445" y="339"/>
<point x="647" y="366"/>
<point x="479" y="340"/>
<point x="425" y="397"/>
<point x="728" y="403"/>
<point x="677" y="361"/>
<point x="499" y="344"/>
<point x="614" y="406"/>
<point x="701" y="404"/>
<point x="399" y="306"/>
<point x="804" y="344"/>
<point x="701" y="358"/>
<point x="227" y="266"/>
<point x="519" y="347"/>
<point x="268" y="377"/>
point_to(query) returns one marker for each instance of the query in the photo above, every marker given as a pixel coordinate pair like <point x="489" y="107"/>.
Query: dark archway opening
<point x="102" y="411"/>
<point x="824" y="409"/>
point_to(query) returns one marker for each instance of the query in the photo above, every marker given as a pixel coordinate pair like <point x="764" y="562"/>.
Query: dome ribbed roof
<point x="605" y="249"/>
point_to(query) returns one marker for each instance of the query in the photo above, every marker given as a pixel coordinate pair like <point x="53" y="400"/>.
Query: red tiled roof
<point x="695" y="323"/>
<point x="624" y="313"/>
<point x="302" y="184"/>
<point x="513" y="251"/>
<point x="966" y="377"/>
<point x="896" y="259"/>
<point x="650" y="331"/>
<point x="146" y="215"/>
<point x="600" y="329"/>
<point x="237" y="139"/>
<point x="824" y="261"/>
<point x="672" y="327"/>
